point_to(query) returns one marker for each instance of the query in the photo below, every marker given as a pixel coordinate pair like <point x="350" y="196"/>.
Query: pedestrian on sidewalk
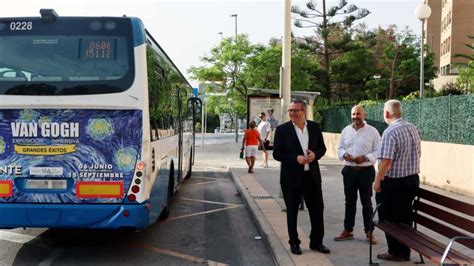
<point x="397" y="180"/>
<point x="358" y="148"/>
<point x="264" y="128"/>
<point x="298" y="145"/>
<point x="251" y="142"/>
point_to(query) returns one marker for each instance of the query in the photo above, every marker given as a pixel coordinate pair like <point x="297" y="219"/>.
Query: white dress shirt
<point x="303" y="137"/>
<point x="364" y="141"/>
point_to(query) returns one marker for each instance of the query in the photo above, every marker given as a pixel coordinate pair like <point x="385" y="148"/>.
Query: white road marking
<point x="201" y="213"/>
<point x="15" y="237"/>
<point x="203" y="183"/>
<point x="176" y="254"/>
<point x="211" y="178"/>
<point x="212" y="202"/>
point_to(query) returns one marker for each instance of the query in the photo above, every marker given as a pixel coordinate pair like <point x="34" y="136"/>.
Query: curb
<point x="279" y="254"/>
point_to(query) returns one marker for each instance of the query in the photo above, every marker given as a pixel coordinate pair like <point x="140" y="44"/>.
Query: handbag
<point x="241" y="155"/>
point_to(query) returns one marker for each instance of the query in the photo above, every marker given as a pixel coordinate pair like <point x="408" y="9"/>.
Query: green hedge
<point x="442" y="119"/>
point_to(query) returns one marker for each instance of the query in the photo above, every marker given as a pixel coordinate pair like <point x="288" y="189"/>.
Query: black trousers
<point x="397" y="197"/>
<point x="358" y="180"/>
<point x="313" y="197"/>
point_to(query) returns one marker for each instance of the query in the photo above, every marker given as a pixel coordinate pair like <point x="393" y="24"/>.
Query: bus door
<point x="194" y="108"/>
<point x="180" y="135"/>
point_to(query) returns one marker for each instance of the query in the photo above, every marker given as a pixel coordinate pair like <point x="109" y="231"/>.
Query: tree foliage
<point x="465" y="79"/>
<point x="397" y="66"/>
<point x="332" y="34"/>
<point x="225" y="64"/>
<point x="347" y="63"/>
<point x="263" y="69"/>
<point x="224" y="68"/>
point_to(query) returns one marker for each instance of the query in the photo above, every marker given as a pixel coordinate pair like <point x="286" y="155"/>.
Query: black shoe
<point x="321" y="248"/>
<point x="295" y="249"/>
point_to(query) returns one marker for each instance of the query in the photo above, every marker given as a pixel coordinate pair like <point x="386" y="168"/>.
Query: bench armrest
<point x="448" y="247"/>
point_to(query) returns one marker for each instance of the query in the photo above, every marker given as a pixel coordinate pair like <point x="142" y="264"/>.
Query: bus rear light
<point x="99" y="189"/>
<point x="6" y="188"/>
<point x="137" y="181"/>
<point x="139" y="174"/>
<point x="140" y="166"/>
<point x="132" y="198"/>
<point x="135" y="189"/>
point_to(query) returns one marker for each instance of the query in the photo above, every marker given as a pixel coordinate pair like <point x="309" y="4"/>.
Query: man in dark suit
<point x="298" y="145"/>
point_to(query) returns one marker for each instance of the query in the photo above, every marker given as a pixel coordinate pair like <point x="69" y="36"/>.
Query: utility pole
<point x="285" y="70"/>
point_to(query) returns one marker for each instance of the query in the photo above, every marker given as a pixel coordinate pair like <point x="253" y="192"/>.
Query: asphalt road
<point x="208" y="224"/>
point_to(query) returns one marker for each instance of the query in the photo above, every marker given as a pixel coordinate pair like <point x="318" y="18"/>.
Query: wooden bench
<point x="445" y="216"/>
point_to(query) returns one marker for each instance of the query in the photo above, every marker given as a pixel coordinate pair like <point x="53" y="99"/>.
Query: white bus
<point x="94" y="124"/>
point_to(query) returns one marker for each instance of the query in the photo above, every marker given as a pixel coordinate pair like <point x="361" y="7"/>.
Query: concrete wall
<point x="440" y="81"/>
<point x="443" y="165"/>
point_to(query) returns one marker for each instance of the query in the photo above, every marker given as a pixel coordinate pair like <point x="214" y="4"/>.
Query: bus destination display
<point x="97" y="48"/>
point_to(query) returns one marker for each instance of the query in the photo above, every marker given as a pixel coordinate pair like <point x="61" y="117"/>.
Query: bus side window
<point x="155" y="83"/>
<point x="154" y="130"/>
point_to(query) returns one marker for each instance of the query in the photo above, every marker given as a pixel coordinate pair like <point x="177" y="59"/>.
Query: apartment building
<point x="447" y="31"/>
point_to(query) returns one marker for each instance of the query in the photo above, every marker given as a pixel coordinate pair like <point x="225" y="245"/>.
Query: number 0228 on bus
<point x="94" y="126"/>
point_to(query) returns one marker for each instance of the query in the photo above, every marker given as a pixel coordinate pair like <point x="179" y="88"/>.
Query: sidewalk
<point x="261" y="193"/>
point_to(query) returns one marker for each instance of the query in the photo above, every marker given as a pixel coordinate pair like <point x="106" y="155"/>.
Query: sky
<point x="188" y="29"/>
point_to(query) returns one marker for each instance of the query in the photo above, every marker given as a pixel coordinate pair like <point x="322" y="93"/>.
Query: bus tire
<point x="190" y="169"/>
<point x="165" y="213"/>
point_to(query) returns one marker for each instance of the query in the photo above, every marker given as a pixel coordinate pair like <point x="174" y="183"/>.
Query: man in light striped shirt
<point x="397" y="181"/>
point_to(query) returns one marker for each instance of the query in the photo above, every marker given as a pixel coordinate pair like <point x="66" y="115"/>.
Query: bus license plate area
<point x="45" y="184"/>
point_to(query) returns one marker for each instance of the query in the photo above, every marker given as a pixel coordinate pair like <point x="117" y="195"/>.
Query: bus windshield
<point x="70" y="61"/>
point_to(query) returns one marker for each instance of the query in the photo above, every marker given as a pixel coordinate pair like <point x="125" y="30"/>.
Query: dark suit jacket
<point x="286" y="147"/>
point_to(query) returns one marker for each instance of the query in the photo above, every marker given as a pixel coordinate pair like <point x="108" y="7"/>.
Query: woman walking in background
<point x="250" y="142"/>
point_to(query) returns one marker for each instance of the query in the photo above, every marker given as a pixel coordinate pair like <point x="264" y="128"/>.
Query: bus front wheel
<point x="166" y="211"/>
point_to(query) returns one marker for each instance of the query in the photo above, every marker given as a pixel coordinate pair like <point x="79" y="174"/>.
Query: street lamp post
<point x="422" y="12"/>
<point x="235" y="16"/>
<point x="236" y="117"/>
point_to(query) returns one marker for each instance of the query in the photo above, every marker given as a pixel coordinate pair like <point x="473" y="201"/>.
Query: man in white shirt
<point x="299" y="144"/>
<point x="265" y="129"/>
<point x="358" y="148"/>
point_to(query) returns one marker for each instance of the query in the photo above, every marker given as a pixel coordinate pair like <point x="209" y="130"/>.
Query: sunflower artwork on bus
<point x="94" y="124"/>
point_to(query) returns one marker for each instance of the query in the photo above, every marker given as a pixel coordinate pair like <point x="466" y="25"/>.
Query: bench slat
<point x="450" y="203"/>
<point x="429" y="247"/>
<point x="442" y="229"/>
<point x="453" y="254"/>
<point x="445" y="216"/>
